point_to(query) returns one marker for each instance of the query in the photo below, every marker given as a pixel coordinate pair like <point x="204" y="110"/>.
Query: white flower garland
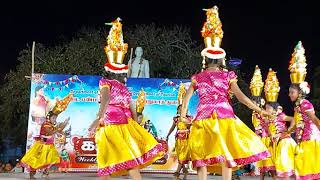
<point x="305" y="88"/>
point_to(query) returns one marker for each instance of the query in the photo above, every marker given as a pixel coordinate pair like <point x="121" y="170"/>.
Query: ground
<point x="92" y="176"/>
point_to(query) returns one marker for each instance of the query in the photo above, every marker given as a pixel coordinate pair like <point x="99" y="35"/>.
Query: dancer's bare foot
<point x="176" y="176"/>
<point x="185" y="173"/>
<point x="45" y="174"/>
<point x="32" y="173"/>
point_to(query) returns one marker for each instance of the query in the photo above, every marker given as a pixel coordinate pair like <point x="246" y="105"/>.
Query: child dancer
<point x="43" y="154"/>
<point x="283" y="146"/>
<point x="181" y="146"/>
<point x="218" y="140"/>
<point x="261" y="127"/>
<point x="306" y="123"/>
<point x="122" y="144"/>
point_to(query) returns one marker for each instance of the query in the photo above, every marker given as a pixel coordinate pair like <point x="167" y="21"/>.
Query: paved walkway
<point x="92" y="176"/>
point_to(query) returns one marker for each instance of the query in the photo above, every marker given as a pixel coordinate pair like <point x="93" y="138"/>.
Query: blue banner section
<point x="47" y="89"/>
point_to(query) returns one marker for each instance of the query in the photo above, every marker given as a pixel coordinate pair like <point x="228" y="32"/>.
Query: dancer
<point x="259" y="123"/>
<point x="140" y="103"/>
<point x="283" y="146"/>
<point x="181" y="145"/>
<point x="218" y="139"/>
<point x="183" y="130"/>
<point x="43" y="154"/>
<point x="307" y="124"/>
<point x="122" y="144"/>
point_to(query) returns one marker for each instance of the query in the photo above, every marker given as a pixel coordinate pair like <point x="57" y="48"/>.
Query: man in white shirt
<point x="138" y="66"/>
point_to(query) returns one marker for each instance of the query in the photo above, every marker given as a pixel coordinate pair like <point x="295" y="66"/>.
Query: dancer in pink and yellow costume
<point x="218" y="140"/>
<point x="260" y="124"/>
<point x="122" y="144"/>
<point x="43" y="154"/>
<point x="182" y="136"/>
<point x="283" y="146"/>
<point x="306" y="123"/>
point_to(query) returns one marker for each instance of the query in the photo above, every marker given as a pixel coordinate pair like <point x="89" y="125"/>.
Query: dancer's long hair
<point x="119" y="77"/>
<point x="219" y="62"/>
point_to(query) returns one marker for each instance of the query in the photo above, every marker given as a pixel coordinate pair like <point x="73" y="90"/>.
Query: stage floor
<point x="92" y="176"/>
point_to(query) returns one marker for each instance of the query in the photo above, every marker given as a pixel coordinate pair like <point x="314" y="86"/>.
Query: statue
<point x="138" y="66"/>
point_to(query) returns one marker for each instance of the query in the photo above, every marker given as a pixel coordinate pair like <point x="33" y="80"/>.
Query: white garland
<point x="304" y="86"/>
<point x="262" y="102"/>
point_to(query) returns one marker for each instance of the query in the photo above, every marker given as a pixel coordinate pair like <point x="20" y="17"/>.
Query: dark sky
<point x="259" y="32"/>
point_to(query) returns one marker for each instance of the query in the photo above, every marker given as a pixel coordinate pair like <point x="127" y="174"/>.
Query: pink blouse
<point x="260" y="126"/>
<point x="309" y="129"/>
<point x="183" y="129"/>
<point x="278" y="125"/>
<point x="213" y="89"/>
<point x="118" y="109"/>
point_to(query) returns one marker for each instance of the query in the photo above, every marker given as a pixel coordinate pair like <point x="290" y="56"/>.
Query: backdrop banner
<point x="78" y="153"/>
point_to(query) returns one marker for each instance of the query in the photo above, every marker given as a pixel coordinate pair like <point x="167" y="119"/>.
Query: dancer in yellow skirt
<point x="218" y="140"/>
<point x="306" y="123"/>
<point x="307" y="152"/>
<point x="259" y="123"/>
<point x="261" y="129"/>
<point x="43" y="154"/>
<point x="283" y="145"/>
<point x="122" y="144"/>
<point x="181" y="146"/>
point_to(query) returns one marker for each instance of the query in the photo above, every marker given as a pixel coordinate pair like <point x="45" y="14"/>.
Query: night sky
<point x="259" y="32"/>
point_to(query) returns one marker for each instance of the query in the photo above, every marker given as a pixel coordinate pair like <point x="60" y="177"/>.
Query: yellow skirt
<point x="307" y="160"/>
<point x="283" y="157"/>
<point x="122" y="147"/>
<point x="215" y="142"/>
<point x="266" y="164"/>
<point x="182" y="150"/>
<point x="40" y="156"/>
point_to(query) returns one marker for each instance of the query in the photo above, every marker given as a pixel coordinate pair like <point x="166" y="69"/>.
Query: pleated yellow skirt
<point x="125" y="146"/>
<point x="182" y="150"/>
<point x="266" y="164"/>
<point x="284" y="157"/>
<point x="215" y="142"/>
<point x="40" y="156"/>
<point x="307" y="160"/>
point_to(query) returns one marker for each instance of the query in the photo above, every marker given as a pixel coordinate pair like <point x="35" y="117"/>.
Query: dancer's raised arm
<point x="245" y="100"/>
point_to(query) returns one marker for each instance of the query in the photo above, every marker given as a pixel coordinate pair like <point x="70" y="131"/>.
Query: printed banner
<point x="77" y="150"/>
